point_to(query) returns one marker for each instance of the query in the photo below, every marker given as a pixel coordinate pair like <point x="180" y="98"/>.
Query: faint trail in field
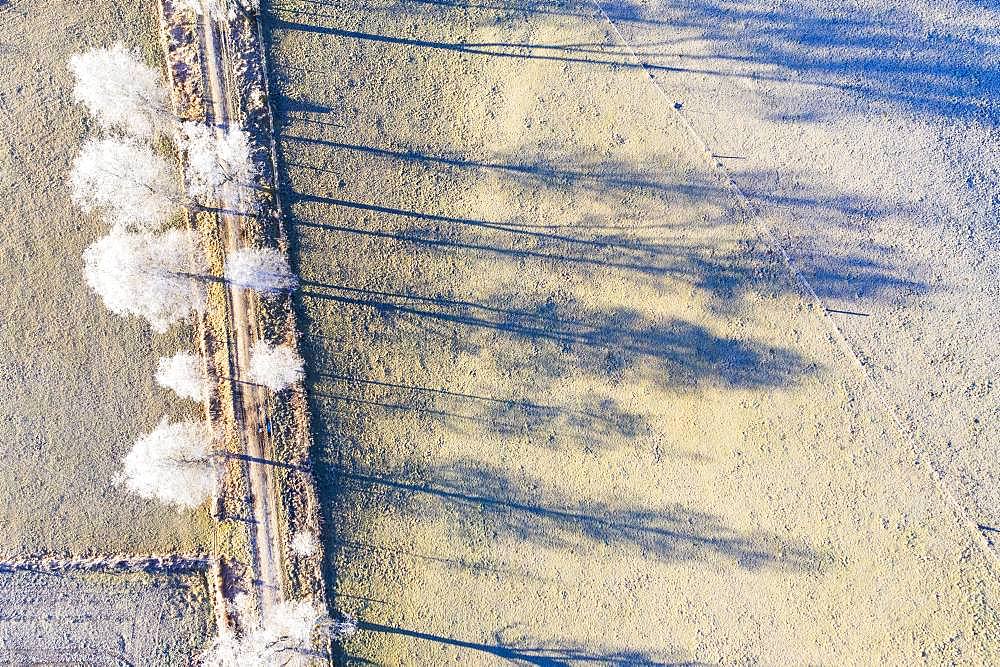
<point x="754" y="213"/>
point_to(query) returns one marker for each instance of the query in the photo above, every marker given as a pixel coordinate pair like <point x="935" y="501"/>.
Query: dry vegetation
<point x="570" y="407"/>
<point x="77" y="379"/>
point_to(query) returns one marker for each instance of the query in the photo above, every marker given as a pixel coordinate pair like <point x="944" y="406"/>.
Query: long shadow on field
<point x="591" y="243"/>
<point x="478" y="495"/>
<point x="618" y="10"/>
<point x="607" y="342"/>
<point x="650" y="248"/>
<point x="602" y="418"/>
<point x="383" y="332"/>
<point x="539" y="654"/>
<point x="939" y="69"/>
<point x="515" y="51"/>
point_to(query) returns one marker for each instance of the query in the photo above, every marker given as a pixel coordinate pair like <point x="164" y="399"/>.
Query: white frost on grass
<point x="275" y="366"/>
<point x="184" y="373"/>
<point x="155" y="276"/>
<point x="216" y="158"/>
<point x="173" y="464"/>
<point x="285" y="631"/>
<point x="126" y="181"/>
<point x="304" y="544"/>
<point x="121" y="91"/>
<point x="263" y="269"/>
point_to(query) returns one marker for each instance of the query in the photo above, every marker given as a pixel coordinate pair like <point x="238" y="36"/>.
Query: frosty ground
<point x="571" y="402"/>
<point x="78" y="380"/>
<point x="100" y="619"/>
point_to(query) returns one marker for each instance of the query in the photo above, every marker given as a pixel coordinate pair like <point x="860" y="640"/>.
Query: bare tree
<point x="125" y="180"/>
<point x="174" y="464"/>
<point x="155" y="276"/>
<point x="275" y="366"/>
<point x="219" y="164"/>
<point x="184" y="373"/>
<point x="263" y="269"/>
<point x="121" y="91"/>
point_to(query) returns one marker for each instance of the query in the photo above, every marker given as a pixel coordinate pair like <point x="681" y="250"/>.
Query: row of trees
<point x="148" y="267"/>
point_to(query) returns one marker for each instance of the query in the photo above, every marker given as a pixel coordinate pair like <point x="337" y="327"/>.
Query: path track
<point x="250" y="401"/>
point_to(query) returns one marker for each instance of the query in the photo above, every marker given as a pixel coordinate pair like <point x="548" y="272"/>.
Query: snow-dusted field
<point x="867" y="134"/>
<point x="101" y="620"/>
<point x="572" y="405"/>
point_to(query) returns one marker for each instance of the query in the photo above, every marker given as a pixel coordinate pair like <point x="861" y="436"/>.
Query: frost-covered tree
<point x="155" y="276"/>
<point x="343" y="627"/>
<point x="125" y="180"/>
<point x="263" y="269"/>
<point x="173" y="463"/>
<point x="304" y="544"/>
<point x="121" y="91"/>
<point x="284" y="632"/>
<point x="184" y="373"/>
<point x="216" y="158"/>
<point x="221" y="10"/>
<point x="275" y="366"/>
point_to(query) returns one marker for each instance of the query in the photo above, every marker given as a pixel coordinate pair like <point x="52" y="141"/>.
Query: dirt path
<point x="251" y="399"/>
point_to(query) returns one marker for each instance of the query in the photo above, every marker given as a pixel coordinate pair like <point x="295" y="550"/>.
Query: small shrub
<point x="273" y="641"/>
<point x="219" y="164"/>
<point x="275" y="367"/>
<point x="304" y="544"/>
<point x="263" y="269"/>
<point x="221" y="10"/>
<point x="184" y="373"/>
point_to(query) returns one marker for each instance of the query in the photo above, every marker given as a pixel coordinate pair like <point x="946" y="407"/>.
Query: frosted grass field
<point x="77" y="380"/>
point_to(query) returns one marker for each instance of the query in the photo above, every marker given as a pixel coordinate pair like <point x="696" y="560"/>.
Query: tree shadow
<point x="342" y="196"/>
<point x="520" y="51"/>
<point x="619" y="10"/>
<point x="674" y="533"/>
<point x="454" y="563"/>
<point x="530" y="652"/>
<point x="591" y="244"/>
<point x="941" y="69"/>
<point x="936" y="69"/>
<point x="610" y="343"/>
<point x="602" y="418"/>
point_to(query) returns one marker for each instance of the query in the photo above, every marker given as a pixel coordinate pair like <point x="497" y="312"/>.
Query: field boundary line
<point x="111" y="563"/>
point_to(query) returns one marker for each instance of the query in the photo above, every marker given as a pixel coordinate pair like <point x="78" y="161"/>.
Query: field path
<point x="250" y="400"/>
